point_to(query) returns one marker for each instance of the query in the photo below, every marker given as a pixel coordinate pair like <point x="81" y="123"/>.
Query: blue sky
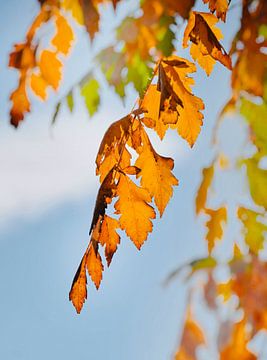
<point x="48" y="190"/>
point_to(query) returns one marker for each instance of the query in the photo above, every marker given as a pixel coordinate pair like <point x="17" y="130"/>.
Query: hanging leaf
<point x="78" y="292"/>
<point x="136" y="213"/>
<point x="156" y="175"/>
<point x="220" y="7"/>
<point x="90" y="93"/>
<point x="214" y="225"/>
<point x="205" y="47"/>
<point x="201" y="197"/>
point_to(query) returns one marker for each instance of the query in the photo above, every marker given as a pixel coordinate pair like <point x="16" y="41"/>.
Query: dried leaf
<point x="205" y="47"/>
<point x="218" y="6"/>
<point x="108" y="236"/>
<point x="78" y="292"/>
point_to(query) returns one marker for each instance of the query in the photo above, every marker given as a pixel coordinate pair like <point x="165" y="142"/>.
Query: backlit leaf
<point x="205" y="47"/>
<point x="156" y="175"/>
<point x="136" y="213"/>
<point x="94" y="264"/>
<point x="220" y="7"/>
<point x="50" y="68"/>
<point x="214" y="225"/>
<point x="78" y="292"/>
<point x="201" y="197"/>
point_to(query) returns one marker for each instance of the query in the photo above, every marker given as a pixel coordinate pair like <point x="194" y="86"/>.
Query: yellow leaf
<point x="74" y="7"/>
<point x="205" y="47"/>
<point x="50" y="68"/>
<point x="94" y="264"/>
<point x="225" y="289"/>
<point x="218" y="6"/>
<point x="108" y="237"/>
<point x="201" y="198"/>
<point x="38" y="85"/>
<point x="253" y="229"/>
<point x="136" y="213"/>
<point x="78" y="292"/>
<point x="64" y="35"/>
<point x="156" y="175"/>
<point x="214" y="225"/>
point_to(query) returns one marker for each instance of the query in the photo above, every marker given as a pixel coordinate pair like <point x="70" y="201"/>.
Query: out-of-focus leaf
<point x="70" y="101"/>
<point x="90" y="93"/>
<point x="55" y="115"/>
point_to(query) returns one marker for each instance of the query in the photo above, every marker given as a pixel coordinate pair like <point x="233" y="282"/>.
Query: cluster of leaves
<point x="135" y="179"/>
<point x="246" y="268"/>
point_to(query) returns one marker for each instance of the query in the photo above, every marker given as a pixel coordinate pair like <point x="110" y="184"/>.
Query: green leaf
<point x="70" y="101"/>
<point x="255" y="115"/>
<point x="90" y="93"/>
<point x="257" y="179"/>
<point x="139" y="73"/>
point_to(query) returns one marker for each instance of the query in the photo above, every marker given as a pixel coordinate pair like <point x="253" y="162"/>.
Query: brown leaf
<point x="218" y="6"/>
<point x="205" y="47"/>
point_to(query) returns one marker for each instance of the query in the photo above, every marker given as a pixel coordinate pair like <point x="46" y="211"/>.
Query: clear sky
<point x="47" y="194"/>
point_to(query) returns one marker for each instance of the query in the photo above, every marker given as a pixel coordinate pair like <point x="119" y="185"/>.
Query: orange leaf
<point x="172" y="104"/>
<point x="201" y="198"/>
<point x="237" y="349"/>
<point x="156" y="175"/>
<point x="112" y="146"/>
<point x="192" y="337"/>
<point x="94" y="264"/>
<point x="214" y="225"/>
<point x="218" y="6"/>
<point x="64" y="35"/>
<point x="38" y="85"/>
<point x="22" y="57"/>
<point x="50" y="68"/>
<point x="21" y="103"/>
<point x="205" y="47"/>
<point x="136" y="213"/>
<point x="104" y="197"/>
<point x="108" y="237"/>
<point x="78" y="292"/>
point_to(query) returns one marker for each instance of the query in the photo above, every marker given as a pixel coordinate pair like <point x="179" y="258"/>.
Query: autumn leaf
<point x="112" y="147"/>
<point x="22" y="57"/>
<point x="64" y="35"/>
<point x="20" y="102"/>
<point x="172" y="104"/>
<point x="91" y="16"/>
<point x="94" y="263"/>
<point x="237" y="348"/>
<point x="108" y="237"/>
<point x="214" y="225"/>
<point x="104" y="197"/>
<point x="38" y="85"/>
<point x="257" y="179"/>
<point x="205" y="47"/>
<point x="50" y="68"/>
<point x="136" y="213"/>
<point x="218" y="6"/>
<point x="78" y="292"/>
<point x="156" y="175"/>
<point x="201" y="197"/>
<point x="192" y="338"/>
<point x="253" y="229"/>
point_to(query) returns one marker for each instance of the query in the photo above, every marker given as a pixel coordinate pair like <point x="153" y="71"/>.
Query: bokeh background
<point x="47" y="193"/>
